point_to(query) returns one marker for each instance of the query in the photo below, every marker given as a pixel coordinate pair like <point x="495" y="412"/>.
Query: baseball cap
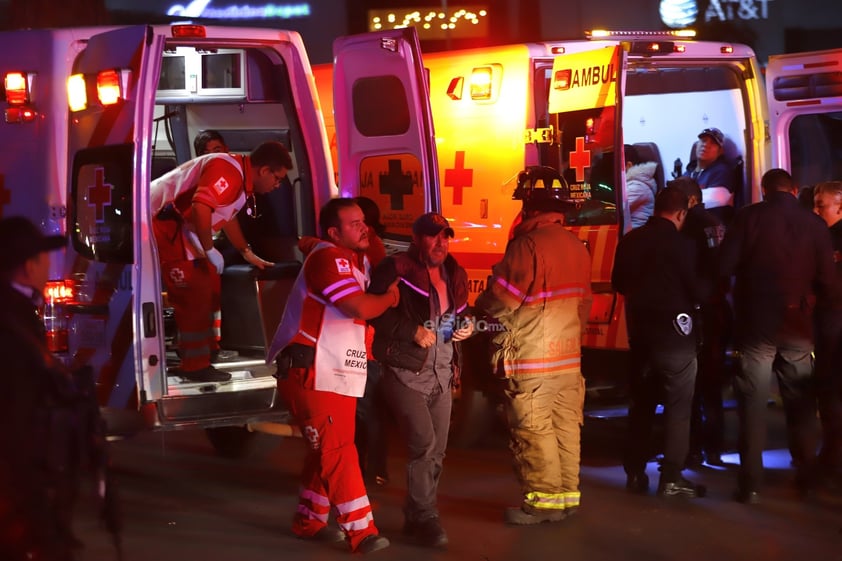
<point x="431" y="224"/>
<point x="715" y="134"/>
<point x="22" y="240"/>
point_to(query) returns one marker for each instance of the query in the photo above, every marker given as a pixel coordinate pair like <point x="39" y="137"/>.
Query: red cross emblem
<point x="458" y="178"/>
<point x="5" y="195"/>
<point x="580" y="159"/>
<point x="99" y="195"/>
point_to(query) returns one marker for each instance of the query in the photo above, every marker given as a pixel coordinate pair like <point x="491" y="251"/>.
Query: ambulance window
<point x="100" y="205"/>
<point x="380" y="106"/>
<point x="815" y="145"/>
<point x="222" y="70"/>
<point x="172" y="73"/>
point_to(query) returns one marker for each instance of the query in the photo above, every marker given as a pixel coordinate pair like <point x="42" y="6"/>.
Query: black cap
<point x="21" y="240"/>
<point x="715" y="134"/>
<point x="431" y="224"/>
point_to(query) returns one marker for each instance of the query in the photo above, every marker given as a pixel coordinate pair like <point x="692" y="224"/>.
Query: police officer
<point x="654" y="268"/>
<point x="781" y="256"/>
<point x="33" y="460"/>
<point x="707" y="423"/>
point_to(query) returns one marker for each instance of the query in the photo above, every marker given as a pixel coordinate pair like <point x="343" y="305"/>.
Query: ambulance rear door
<point x="384" y="126"/>
<point x="804" y="95"/>
<point x="585" y="93"/>
<point x="115" y="318"/>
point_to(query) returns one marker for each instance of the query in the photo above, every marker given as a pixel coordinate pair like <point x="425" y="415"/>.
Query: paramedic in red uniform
<point x="189" y="205"/>
<point x="320" y="345"/>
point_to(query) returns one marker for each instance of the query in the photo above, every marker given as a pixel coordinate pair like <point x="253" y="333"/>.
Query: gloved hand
<point x="216" y="259"/>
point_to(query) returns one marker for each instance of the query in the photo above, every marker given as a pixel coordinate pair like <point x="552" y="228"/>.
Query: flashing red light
<point x="185" y="31"/>
<point x="16" y="88"/>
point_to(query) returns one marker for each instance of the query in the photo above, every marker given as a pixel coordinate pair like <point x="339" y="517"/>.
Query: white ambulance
<point x="569" y="106"/>
<point x="91" y="116"/>
<point x="805" y="112"/>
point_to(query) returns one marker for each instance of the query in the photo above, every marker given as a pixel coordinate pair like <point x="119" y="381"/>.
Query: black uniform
<point x="781" y="256"/>
<point x="654" y="269"/>
<point x="828" y="369"/>
<point x="707" y="422"/>
<point x="35" y="457"/>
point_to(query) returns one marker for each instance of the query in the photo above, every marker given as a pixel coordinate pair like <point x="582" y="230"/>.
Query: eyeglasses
<point x="279" y="177"/>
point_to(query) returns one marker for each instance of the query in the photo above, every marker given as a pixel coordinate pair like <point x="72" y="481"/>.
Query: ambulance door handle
<point x="149" y="324"/>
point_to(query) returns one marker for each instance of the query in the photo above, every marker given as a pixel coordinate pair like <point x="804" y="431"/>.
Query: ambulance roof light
<point x="626" y="34"/>
<point x="189" y="31"/>
<point x="17" y="86"/>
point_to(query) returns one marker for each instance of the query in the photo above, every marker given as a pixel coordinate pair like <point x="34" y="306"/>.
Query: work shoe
<point x="224" y="354"/>
<point x="326" y="534"/>
<point x="427" y="532"/>
<point x="519" y="517"/>
<point x="637" y="483"/>
<point x="208" y="374"/>
<point x="372" y="543"/>
<point x="681" y="488"/>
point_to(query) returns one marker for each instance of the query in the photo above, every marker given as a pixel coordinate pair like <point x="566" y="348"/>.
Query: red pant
<point x="193" y="289"/>
<point x="331" y="474"/>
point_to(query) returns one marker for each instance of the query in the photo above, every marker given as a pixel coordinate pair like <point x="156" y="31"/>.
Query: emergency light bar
<point x="108" y="89"/>
<point x="77" y="95"/>
<point x="626" y="34"/>
<point x="481" y="83"/>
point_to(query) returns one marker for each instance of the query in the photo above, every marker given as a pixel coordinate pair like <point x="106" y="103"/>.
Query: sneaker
<point x="372" y="543"/>
<point x="427" y="532"/>
<point x="326" y="534"/>
<point x="680" y="488"/>
<point x="208" y="374"/>
<point x="519" y="517"/>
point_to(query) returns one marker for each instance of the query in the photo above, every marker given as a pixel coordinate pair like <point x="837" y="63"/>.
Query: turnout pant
<point x="545" y="420"/>
<point x="331" y="474"/>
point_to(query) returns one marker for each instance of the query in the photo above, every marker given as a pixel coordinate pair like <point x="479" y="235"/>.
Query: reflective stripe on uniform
<point x="537" y="499"/>
<point x="571" y="499"/>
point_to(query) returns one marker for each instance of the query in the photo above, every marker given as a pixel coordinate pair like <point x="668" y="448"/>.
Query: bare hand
<point x="424" y="338"/>
<point x="465" y="331"/>
<point x="258" y="262"/>
<point x="395" y="292"/>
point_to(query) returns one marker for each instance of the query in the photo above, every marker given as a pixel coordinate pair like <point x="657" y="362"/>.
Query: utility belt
<point x="294" y="355"/>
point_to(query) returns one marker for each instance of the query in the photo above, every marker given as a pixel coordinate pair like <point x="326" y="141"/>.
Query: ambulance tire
<point x="230" y="442"/>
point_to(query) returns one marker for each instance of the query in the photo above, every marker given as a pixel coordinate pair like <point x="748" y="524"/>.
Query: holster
<point x="295" y="355"/>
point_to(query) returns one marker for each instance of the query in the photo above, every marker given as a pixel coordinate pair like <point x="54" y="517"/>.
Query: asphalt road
<point x="180" y="502"/>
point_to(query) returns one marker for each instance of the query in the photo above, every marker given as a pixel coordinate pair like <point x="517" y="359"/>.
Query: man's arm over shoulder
<point x="391" y="323"/>
<point x="329" y="275"/>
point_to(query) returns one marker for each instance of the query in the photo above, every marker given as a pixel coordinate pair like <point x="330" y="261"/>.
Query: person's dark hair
<point x="631" y="154"/>
<point x="372" y="214"/>
<point x="686" y="185"/>
<point x="272" y="154"/>
<point x="776" y="179"/>
<point x="669" y="201"/>
<point x="202" y="139"/>
<point x="329" y="215"/>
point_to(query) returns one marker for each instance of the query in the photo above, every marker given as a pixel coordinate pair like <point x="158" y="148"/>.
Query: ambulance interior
<point x="244" y="94"/>
<point x="664" y="108"/>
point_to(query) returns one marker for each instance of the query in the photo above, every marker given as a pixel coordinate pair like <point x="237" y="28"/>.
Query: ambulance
<point x="562" y="109"/>
<point x="804" y="91"/>
<point x="91" y="117"/>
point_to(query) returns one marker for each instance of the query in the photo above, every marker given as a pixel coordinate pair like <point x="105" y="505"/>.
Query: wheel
<point x="230" y="442"/>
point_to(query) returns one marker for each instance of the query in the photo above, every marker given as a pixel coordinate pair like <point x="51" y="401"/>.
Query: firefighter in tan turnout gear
<point x="540" y="293"/>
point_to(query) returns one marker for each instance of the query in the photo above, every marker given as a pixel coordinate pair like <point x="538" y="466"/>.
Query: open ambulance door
<point x="384" y="126"/>
<point x="804" y="95"/>
<point x="118" y="318"/>
<point x="585" y="97"/>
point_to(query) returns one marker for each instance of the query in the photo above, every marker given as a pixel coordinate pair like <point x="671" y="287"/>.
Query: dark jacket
<point x="394" y="331"/>
<point x="718" y="174"/>
<point x="706" y="232"/>
<point x="34" y="453"/>
<point x="781" y="256"/>
<point x="654" y="268"/>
